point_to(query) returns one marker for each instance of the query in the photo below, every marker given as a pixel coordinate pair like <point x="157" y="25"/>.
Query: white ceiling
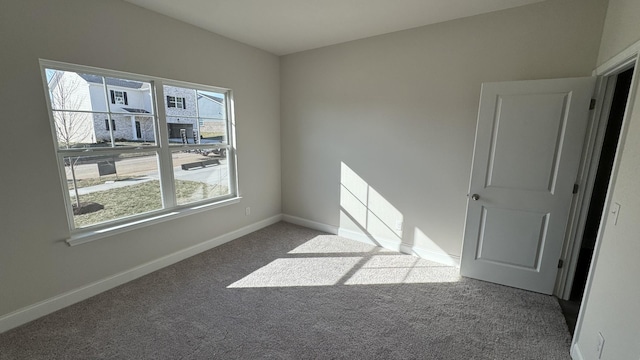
<point x="287" y="26"/>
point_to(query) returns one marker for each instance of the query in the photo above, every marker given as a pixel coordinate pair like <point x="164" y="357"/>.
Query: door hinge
<point x="560" y="263"/>
<point x="575" y="188"/>
<point x="592" y="104"/>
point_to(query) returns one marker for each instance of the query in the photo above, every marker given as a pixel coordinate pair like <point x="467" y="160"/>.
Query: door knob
<point x="475" y="197"/>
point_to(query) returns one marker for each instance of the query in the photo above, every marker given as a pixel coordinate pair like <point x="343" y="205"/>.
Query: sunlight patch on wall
<point x="372" y="214"/>
<point x="322" y="271"/>
<point x="423" y="242"/>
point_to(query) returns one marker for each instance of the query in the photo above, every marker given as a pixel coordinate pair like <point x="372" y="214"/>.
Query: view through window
<point x="122" y="158"/>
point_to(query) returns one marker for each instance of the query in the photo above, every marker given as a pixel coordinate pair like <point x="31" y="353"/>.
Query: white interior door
<point x="529" y="140"/>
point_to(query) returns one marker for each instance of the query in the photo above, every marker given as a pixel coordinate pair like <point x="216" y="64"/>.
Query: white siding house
<point x="88" y="106"/>
<point x="128" y="102"/>
<point x="213" y="116"/>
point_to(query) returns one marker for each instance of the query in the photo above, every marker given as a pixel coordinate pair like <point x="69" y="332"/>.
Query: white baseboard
<point x="32" y="312"/>
<point x="445" y="259"/>
<point x="310" y="224"/>
<point x="354" y="235"/>
<point x="576" y="354"/>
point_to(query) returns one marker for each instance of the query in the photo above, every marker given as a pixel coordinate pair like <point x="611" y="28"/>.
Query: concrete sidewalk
<point x="111" y="185"/>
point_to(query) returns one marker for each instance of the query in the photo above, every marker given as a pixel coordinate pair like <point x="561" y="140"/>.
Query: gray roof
<point x="138" y="111"/>
<point x="96" y="79"/>
<point x="214" y="98"/>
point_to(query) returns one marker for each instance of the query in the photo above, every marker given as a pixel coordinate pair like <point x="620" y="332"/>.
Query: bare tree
<point x="72" y="127"/>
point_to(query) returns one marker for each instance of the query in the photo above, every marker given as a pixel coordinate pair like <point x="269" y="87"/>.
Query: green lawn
<point x="141" y="198"/>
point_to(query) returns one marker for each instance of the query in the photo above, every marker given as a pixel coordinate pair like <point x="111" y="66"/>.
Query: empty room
<point x="299" y="179"/>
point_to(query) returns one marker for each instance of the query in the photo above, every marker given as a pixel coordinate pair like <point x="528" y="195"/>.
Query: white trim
<point x="448" y="259"/>
<point x="144" y="220"/>
<point x="451" y="260"/>
<point x="626" y="57"/>
<point x="358" y="236"/>
<point x="310" y="224"/>
<point x="589" y="161"/>
<point x="576" y="354"/>
<point x="618" y="62"/>
<point x="162" y="149"/>
<point x="45" y="307"/>
<point x="59" y="65"/>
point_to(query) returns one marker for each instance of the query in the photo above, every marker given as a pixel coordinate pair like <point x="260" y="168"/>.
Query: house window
<point x="113" y="124"/>
<point x="114" y="182"/>
<point x="176" y="102"/>
<point x="119" y="97"/>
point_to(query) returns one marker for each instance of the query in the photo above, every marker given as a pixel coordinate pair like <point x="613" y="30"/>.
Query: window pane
<point x="129" y="97"/>
<point x="201" y="174"/>
<point x="211" y="105"/>
<point x="112" y="187"/>
<point x="182" y="130"/>
<point x="212" y="131"/>
<point x="91" y="130"/>
<point x="75" y="91"/>
<point x="134" y="130"/>
<point x="79" y="129"/>
<point x="179" y="101"/>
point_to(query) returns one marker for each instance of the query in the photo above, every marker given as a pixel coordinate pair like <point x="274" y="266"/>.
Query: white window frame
<point x="171" y="101"/>
<point x="162" y="148"/>
<point x="176" y="101"/>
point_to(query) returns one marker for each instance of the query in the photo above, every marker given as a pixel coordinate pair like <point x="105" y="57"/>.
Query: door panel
<point x="527" y="129"/>
<point x="526" y="235"/>
<point x="529" y="139"/>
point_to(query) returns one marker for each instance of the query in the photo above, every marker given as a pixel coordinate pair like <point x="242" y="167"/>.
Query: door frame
<point x="612" y="67"/>
<point x="604" y="91"/>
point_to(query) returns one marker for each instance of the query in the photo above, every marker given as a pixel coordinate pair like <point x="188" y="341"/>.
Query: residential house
<point x="124" y="111"/>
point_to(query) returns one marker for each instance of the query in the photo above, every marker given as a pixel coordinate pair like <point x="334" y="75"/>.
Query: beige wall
<point x="35" y="264"/>
<point x="400" y="111"/>
<point x="621" y="29"/>
<point x="613" y="304"/>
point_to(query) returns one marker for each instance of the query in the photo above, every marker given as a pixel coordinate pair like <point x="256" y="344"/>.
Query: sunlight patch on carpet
<point x="402" y="269"/>
<point x="324" y="271"/>
<point x="331" y="244"/>
<point x="350" y="270"/>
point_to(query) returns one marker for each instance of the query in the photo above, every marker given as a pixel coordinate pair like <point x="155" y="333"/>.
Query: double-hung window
<point x="176" y="102"/>
<point x="106" y="124"/>
<point x="119" y="97"/>
<point x="157" y="161"/>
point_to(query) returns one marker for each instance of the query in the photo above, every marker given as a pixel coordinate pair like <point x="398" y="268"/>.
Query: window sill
<point x="82" y="237"/>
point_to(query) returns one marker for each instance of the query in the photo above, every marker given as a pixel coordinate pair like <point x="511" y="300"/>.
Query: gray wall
<point x="400" y="111"/>
<point x="613" y="305"/>
<point x="621" y="28"/>
<point x="35" y="263"/>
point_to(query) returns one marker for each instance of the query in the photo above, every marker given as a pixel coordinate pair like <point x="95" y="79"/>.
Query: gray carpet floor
<point x="288" y="292"/>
